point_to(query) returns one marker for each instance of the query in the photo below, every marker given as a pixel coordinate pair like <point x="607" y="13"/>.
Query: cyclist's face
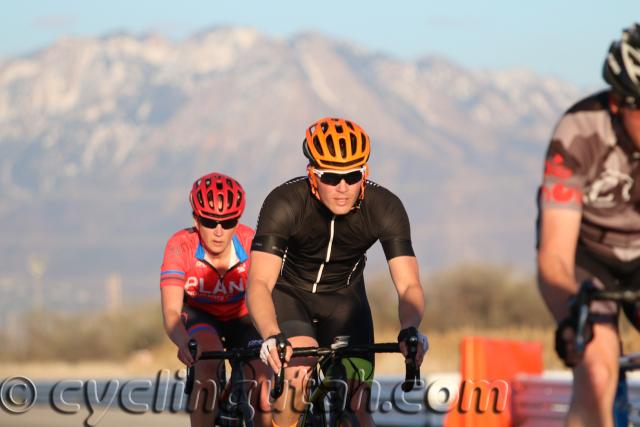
<point x="215" y="240"/>
<point x="631" y="121"/>
<point x="340" y="198"/>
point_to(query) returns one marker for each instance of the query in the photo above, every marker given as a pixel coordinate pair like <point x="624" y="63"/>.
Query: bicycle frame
<point x="331" y="357"/>
<point x="235" y="409"/>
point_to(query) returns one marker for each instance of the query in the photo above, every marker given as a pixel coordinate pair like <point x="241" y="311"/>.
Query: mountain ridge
<point x="102" y="137"/>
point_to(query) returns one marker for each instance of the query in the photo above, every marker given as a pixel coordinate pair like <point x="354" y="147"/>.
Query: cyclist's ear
<point x="614" y="103"/>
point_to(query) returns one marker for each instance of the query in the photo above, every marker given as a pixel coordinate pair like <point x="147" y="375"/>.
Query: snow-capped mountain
<point x="100" y="139"/>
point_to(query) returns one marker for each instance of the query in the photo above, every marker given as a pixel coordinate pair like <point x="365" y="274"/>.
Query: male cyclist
<point x="306" y="281"/>
<point x="203" y="280"/>
<point x="590" y="224"/>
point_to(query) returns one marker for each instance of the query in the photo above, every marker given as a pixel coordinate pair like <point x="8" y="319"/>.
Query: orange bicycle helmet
<point x="335" y="144"/>
<point x="338" y="144"/>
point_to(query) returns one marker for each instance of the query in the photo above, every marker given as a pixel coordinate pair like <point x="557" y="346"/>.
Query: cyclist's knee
<point x="297" y="376"/>
<point x="597" y="377"/>
<point x="207" y="367"/>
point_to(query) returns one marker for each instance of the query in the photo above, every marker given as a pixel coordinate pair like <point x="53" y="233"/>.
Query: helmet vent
<point x="363" y="142"/>
<point x="330" y="146"/>
<point x="317" y="145"/>
<point x="354" y="142"/>
<point x="229" y="199"/>
<point x="210" y="199"/>
<point x="220" y="202"/>
<point x="343" y="147"/>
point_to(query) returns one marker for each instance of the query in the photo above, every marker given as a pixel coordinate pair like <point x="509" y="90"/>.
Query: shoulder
<point x="595" y="102"/>
<point x="245" y="235"/>
<point x="182" y="243"/>
<point x="375" y="194"/>
<point x="296" y="188"/>
<point x="184" y="236"/>
<point x="288" y="196"/>
<point x="588" y="118"/>
<point x="382" y="206"/>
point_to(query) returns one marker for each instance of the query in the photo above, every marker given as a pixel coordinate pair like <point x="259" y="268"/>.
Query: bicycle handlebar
<point x="580" y="306"/>
<point x="278" y="386"/>
<point x="191" y="374"/>
<point x="412" y="374"/>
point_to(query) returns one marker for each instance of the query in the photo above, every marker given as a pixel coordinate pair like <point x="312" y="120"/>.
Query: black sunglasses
<point x="227" y="224"/>
<point x="631" y="105"/>
<point x="628" y="102"/>
<point x="333" y="178"/>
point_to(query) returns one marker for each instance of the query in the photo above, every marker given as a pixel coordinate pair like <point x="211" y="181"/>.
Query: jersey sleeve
<point x="275" y="223"/>
<point x="173" y="270"/>
<point x="394" y="228"/>
<point x="566" y="165"/>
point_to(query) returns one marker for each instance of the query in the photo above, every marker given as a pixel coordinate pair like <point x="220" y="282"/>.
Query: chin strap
<point x="313" y="181"/>
<point x="364" y="181"/>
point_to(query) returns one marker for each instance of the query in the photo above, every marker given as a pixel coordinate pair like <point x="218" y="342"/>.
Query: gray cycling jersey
<point x="592" y="165"/>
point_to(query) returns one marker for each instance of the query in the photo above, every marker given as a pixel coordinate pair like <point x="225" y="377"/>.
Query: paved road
<point x="110" y="400"/>
<point x="47" y="417"/>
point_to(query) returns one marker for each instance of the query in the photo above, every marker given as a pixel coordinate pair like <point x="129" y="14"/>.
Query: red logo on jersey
<point x="555" y="167"/>
<point x="560" y="193"/>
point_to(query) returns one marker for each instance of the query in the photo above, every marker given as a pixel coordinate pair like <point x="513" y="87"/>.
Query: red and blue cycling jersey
<point x="205" y="289"/>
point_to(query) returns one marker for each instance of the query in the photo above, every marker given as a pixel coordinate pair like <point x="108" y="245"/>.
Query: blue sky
<point x="562" y="38"/>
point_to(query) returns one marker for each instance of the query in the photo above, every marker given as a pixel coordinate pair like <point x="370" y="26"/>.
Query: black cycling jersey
<point x="323" y="252"/>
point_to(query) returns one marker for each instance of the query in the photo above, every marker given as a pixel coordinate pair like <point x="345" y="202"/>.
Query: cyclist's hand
<point x="565" y="344"/>
<point x="269" y="351"/>
<point x="423" y="343"/>
<point x="184" y="355"/>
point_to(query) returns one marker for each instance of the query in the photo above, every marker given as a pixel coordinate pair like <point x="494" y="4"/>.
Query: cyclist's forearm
<point x="262" y="310"/>
<point x="556" y="281"/>
<point x="176" y="331"/>
<point x="411" y="306"/>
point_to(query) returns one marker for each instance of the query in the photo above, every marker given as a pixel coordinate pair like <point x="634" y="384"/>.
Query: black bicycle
<point x="625" y="413"/>
<point x="235" y="409"/>
<point x="327" y="404"/>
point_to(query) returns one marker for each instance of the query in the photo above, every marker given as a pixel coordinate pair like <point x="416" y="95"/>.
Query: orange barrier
<point x="488" y="367"/>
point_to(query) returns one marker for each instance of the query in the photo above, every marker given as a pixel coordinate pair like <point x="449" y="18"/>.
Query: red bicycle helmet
<point x="218" y="197"/>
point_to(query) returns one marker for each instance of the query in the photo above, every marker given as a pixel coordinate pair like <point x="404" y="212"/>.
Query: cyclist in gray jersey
<point x="589" y="224"/>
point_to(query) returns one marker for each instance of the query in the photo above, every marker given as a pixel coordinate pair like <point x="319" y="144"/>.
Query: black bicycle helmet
<point x="621" y="68"/>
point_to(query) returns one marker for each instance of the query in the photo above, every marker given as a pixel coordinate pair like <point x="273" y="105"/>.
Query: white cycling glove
<point x="272" y="342"/>
<point x="265" y="349"/>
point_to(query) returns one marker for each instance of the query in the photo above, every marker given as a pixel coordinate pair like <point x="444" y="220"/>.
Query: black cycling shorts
<point x="609" y="274"/>
<point x="325" y="315"/>
<point x="234" y="333"/>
